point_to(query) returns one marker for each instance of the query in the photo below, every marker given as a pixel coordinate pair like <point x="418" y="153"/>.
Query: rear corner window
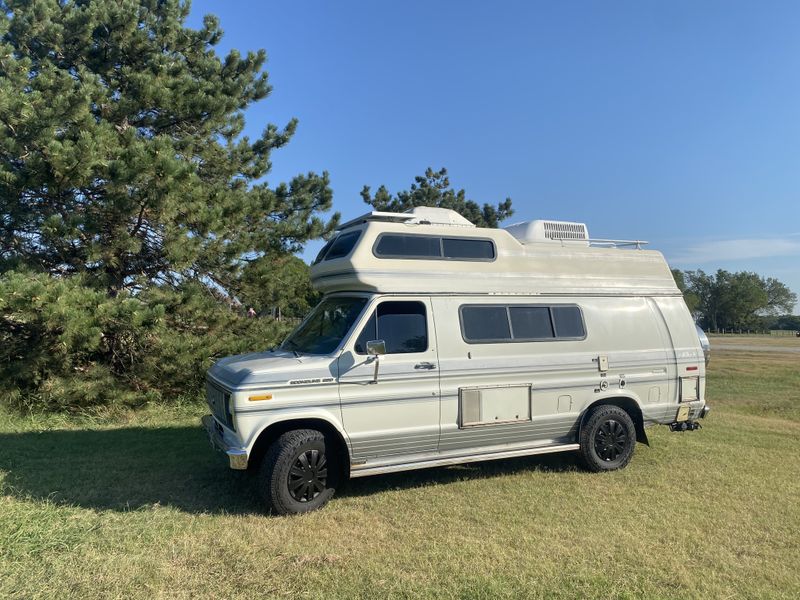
<point x="468" y="249"/>
<point x="342" y="245"/>
<point x="568" y="322"/>
<point x="485" y="323"/>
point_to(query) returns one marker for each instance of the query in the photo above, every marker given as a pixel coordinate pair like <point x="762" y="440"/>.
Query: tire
<point x="298" y="473"/>
<point x="607" y="439"/>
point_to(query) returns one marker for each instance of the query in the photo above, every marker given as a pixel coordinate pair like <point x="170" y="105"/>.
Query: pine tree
<point x="131" y="205"/>
<point x="121" y="148"/>
<point x="280" y="286"/>
<point x="433" y="189"/>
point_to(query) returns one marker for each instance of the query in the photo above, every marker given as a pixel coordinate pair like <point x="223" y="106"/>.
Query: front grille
<point x="219" y="401"/>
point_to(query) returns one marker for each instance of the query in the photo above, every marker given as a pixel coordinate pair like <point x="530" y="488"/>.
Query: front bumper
<point x="237" y="456"/>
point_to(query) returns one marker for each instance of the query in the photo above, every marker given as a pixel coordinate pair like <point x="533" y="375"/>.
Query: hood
<point x="276" y="368"/>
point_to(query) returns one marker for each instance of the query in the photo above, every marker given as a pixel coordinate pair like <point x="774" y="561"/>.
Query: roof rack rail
<point x="376" y="215"/>
<point x="609" y="243"/>
<point x="419" y="215"/>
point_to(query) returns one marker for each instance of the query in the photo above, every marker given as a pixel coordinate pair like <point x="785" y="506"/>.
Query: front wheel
<point x="298" y="473"/>
<point x="607" y="439"/>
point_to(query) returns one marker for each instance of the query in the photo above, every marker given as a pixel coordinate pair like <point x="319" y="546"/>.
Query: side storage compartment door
<point x="396" y="413"/>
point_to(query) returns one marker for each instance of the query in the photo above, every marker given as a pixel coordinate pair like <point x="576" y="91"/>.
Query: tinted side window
<point x="484" y="323"/>
<point x="367" y="334"/>
<point x="468" y="249"/>
<point x="568" y="322"/>
<point x="402" y="325"/>
<point x="419" y="246"/>
<point x="531" y="322"/>
<point x="342" y="245"/>
<point x="510" y="323"/>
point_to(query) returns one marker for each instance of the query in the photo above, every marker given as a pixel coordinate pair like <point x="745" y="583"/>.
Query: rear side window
<point x="402" y="325"/>
<point x="485" y="323"/>
<point x="410" y="246"/>
<point x="531" y="322"/>
<point x="395" y="245"/>
<point x="467" y="249"/>
<point x="568" y="321"/>
<point x="520" y="323"/>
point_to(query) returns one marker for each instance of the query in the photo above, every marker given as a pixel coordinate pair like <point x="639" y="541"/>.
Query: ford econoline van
<point x="438" y="343"/>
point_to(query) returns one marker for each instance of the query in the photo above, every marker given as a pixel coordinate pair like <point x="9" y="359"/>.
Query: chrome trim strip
<point x="363" y="470"/>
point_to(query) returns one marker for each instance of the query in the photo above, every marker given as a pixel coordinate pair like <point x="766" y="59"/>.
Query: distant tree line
<point x="737" y="301"/>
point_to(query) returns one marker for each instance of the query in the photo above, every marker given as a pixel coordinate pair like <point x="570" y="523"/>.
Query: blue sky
<point x="674" y="122"/>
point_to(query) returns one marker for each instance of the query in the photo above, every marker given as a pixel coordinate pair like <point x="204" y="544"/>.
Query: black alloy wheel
<point x="607" y="438"/>
<point x="308" y="475"/>
<point x="610" y="440"/>
<point x="300" y="472"/>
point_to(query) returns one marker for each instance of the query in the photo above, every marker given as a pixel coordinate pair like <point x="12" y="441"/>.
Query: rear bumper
<point x="237" y="456"/>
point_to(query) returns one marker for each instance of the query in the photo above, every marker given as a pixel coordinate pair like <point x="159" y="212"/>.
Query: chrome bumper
<point x="237" y="457"/>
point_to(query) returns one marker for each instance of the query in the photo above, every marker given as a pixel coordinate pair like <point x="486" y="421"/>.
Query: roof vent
<point x="550" y="231"/>
<point x="438" y="216"/>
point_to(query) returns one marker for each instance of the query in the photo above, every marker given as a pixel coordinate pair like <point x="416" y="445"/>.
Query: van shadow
<point x="134" y="468"/>
<point x="125" y="469"/>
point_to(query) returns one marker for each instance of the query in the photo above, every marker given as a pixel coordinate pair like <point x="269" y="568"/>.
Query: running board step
<point x="366" y="469"/>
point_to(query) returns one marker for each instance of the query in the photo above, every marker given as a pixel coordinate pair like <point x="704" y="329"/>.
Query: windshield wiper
<point x="286" y="346"/>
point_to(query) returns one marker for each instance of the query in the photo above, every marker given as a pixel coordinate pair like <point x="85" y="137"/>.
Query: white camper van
<point x="438" y="342"/>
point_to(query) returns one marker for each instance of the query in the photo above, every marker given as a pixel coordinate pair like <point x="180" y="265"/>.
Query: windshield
<point x="325" y="327"/>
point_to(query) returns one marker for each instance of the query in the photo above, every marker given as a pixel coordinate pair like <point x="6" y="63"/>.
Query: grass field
<point x="775" y="341"/>
<point x="137" y="506"/>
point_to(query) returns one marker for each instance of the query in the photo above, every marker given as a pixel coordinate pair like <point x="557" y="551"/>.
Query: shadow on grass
<point x="125" y="469"/>
<point x="128" y="469"/>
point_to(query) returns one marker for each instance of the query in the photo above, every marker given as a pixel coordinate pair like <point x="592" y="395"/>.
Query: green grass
<point x="755" y="339"/>
<point x="137" y="506"/>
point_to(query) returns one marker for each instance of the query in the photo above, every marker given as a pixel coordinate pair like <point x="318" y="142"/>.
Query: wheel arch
<point x="626" y="403"/>
<point x="273" y="431"/>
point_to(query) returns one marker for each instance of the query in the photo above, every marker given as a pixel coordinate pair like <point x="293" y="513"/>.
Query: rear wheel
<point x="299" y="472"/>
<point x="607" y="439"/>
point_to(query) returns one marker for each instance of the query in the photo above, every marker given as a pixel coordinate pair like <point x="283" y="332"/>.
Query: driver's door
<point x="399" y="412"/>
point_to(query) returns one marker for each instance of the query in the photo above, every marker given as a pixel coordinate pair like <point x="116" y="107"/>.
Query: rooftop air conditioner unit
<point x="562" y="232"/>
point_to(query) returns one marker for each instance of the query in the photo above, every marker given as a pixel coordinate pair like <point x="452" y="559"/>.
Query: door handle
<point x="425" y="365"/>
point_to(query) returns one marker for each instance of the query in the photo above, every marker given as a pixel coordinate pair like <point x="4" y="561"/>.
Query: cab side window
<point x="402" y="325"/>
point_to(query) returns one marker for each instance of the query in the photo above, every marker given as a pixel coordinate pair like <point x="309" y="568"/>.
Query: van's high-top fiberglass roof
<point x="437" y="251"/>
